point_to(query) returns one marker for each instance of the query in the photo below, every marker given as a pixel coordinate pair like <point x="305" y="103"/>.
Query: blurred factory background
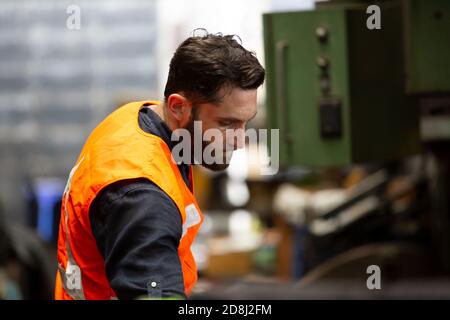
<point x="364" y="119"/>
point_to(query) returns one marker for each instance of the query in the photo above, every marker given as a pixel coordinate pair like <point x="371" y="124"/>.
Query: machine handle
<point x="281" y="48"/>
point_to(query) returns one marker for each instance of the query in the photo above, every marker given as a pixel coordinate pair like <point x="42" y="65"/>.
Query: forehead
<point x="237" y="103"/>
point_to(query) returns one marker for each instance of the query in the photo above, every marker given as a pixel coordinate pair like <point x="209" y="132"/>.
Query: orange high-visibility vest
<point x="117" y="149"/>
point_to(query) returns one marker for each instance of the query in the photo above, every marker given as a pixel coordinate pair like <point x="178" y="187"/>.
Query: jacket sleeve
<point x="138" y="228"/>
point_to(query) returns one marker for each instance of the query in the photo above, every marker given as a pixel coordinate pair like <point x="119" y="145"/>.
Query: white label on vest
<point x="73" y="277"/>
<point x="192" y="218"/>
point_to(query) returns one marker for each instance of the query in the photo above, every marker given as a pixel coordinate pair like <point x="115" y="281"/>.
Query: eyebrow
<point x="236" y="119"/>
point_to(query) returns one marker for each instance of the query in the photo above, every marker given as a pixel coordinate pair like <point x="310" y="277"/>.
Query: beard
<point x="222" y="161"/>
<point x="216" y="166"/>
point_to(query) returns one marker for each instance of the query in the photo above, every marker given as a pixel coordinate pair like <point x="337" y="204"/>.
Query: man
<point x="128" y="215"/>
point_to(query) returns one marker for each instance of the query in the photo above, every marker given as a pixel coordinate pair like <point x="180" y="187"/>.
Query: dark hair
<point x="202" y="65"/>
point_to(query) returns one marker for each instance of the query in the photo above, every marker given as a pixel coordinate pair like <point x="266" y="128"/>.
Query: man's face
<point x="229" y="117"/>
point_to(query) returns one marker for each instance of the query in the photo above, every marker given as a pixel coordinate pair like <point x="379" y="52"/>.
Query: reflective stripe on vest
<point x="71" y="276"/>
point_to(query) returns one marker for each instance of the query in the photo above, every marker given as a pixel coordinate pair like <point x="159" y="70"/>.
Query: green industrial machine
<point x="427" y="42"/>
<point x="342" y="93"/>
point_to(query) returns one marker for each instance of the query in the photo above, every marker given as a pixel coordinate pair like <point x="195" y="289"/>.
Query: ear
<point x="180" y="108"/>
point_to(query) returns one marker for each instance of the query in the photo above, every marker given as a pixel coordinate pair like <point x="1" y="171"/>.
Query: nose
<point x="238" y="138"/>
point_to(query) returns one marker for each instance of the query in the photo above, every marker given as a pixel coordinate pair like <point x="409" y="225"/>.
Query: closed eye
<point x="226" y="122"/>
<point x="232" y="121"/>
